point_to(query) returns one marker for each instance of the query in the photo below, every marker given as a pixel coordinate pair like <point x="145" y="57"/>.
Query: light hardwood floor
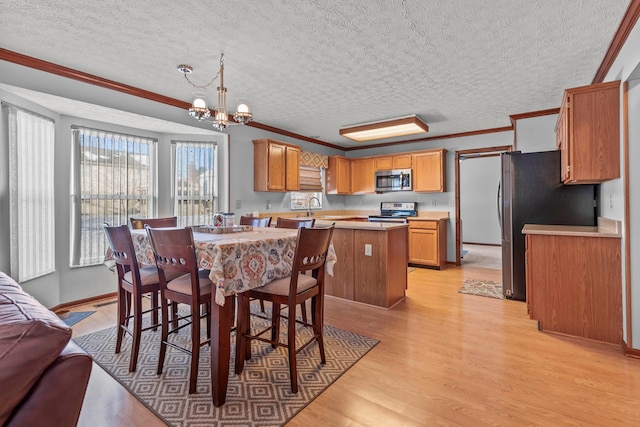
<point x="444" y="359"/>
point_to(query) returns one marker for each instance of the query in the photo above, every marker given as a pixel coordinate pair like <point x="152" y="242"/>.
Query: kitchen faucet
<point x="309" y="211"/>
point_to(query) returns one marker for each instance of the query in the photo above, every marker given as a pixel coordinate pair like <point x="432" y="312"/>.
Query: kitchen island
<point x="372" y="262"/>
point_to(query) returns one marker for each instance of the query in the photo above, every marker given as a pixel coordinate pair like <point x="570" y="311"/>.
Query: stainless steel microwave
<point x="393" y="180"/>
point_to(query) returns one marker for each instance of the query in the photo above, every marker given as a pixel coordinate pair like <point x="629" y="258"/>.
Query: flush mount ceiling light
<point x="385" y="129"/>
<point x="199" y="109"/>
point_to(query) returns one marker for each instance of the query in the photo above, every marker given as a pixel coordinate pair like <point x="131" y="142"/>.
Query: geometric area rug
<point x="261" y="395"/>
<point x="485" y="288"/>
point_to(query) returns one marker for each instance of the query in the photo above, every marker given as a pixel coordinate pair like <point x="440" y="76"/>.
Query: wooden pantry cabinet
<point x="276" y="166"/>
<point x="588" y="133"/>
<point x="429" y="170"/>
<point x="428" y="243"/>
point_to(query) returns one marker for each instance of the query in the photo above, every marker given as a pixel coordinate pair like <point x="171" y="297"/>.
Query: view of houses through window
<point x="195" y="182"/>
<point x="114" y="179"/>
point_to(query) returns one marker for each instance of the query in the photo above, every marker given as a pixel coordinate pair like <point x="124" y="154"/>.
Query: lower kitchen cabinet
<point x="428" y="243"/>
<point x="574" y="285"/>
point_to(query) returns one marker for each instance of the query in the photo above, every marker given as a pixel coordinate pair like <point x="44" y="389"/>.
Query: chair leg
<point x="127" y="305"/>
<point x="291" y="347"/>
<point x="137" y="332"/>
<point x="275" y="323"/>
<point x="262" y="306"/>
<point x="174" y="315"/>
<point x="242" y="341"/>
<point x="195" y="348"/>
<point x="318" y="325"/>
<point x="303" y="309"/>
<point x="154" y="313"/>
<point x="122" y="313"/>
<point x="207" y="307"/>
<point x="164" y="331"/>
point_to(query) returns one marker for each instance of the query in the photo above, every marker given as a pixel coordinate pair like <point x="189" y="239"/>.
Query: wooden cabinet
<point x="574" y="285"/>
<point x="429" y="170"/>
<point x="276" y="166"/>
<point x="428" y="243"/>
<point x="588" y="133"/>
<point x="379" y="278"/>
<point x="396" y="161"/>
<point x="338" y="176"/>
<point x="362" y="176"/>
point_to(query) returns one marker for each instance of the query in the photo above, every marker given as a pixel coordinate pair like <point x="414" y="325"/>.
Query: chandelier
<point x="199" y="109"/>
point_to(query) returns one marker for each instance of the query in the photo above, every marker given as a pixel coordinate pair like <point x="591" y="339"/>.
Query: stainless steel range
<point x="395" y="212"/>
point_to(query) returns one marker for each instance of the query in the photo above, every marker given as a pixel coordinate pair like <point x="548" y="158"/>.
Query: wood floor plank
<point x="444" y="359"/>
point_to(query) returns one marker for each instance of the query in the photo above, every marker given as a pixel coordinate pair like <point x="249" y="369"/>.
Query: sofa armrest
<point x="56" y="398"/>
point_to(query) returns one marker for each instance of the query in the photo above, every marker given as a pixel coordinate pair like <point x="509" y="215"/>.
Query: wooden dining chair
<point x="175" y="254"/>
<point x="295" y="223"/>
<point x="133" y="283"/>
<point x="139" y="223"/>
<point x="255" y="221"/>
<point x="310" y="255"/>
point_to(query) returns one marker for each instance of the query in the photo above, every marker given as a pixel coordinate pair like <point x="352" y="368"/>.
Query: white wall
<point x="625" y="68"/>
<point x="479" y="179"/>
<point x="537" y="133"/>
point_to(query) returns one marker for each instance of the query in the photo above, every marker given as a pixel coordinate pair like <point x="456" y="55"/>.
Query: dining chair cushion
<point x="281" y="286"/>
<point x="182" y="284"/>
<point x="149" y="276"/>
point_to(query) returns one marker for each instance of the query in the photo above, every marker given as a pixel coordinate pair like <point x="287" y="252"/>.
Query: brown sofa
<point x="43" y="374"/>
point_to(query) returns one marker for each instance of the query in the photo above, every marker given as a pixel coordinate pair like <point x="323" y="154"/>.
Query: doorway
<point x="485" y="236"/>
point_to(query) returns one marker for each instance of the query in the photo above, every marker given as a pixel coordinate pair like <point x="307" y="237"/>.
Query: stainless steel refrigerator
<point x="531" y="192"/>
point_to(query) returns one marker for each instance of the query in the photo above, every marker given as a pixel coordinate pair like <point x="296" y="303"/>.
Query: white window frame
<point x="121" y="183"/>
<point x="31" y="193"/>
<point x="194" y="204"/>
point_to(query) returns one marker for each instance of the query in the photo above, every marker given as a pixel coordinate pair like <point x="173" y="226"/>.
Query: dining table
<point x="237" y="261"/>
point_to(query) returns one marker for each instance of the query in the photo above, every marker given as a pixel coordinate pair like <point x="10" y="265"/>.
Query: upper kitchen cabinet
<point x="338" y="176"/>
<point x="363" y="176"/>
<point x="588" y="133"/>
<point x="276" y="166"/>
<point x="429" y="170"/>
<point x="397" y="161"/>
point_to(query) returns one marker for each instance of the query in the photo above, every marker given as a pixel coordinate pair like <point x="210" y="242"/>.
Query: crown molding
<point x="626" y="25"/>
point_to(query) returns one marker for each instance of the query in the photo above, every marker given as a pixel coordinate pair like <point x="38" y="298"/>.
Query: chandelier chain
<point x="208" y="85"/>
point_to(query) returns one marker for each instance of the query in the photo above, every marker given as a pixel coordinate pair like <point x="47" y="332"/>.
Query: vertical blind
<point x="195" y="182"/>
<point x="113" y="180"/>
<point x="31" y="155"/>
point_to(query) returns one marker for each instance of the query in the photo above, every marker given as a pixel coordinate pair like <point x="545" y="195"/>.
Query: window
<point x="113" y="180"/>
<point x="195" y="182"/>
<point x="31" y="163"/>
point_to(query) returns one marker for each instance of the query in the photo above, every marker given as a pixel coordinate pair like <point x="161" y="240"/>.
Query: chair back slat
<point x="295" y="223"/>
<point x="255" y="221"/>
<point x="123" y="252"/>
<point x="311" y="251"/>
<point x="139" y="223"/>
<point x="173" y="249"/>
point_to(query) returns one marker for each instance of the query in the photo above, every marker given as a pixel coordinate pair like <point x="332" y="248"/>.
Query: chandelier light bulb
<point x="243" y="108"/>
<point x="199" y="103"/>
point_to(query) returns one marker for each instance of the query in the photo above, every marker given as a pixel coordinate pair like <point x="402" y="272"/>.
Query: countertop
<point x="362" y="225"/>
<point x="605" y="228"/>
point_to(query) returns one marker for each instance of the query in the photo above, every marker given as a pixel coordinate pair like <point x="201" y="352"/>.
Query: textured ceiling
<point x="311" y="67"/>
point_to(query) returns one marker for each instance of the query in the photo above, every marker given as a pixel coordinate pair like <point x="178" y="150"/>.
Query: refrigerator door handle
<point x="499" y="200"/>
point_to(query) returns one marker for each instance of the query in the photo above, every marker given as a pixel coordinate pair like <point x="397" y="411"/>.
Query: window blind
<point x="31" y="194"/>
<point x="195" y="182"/>
<point x="310" y="178"/>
